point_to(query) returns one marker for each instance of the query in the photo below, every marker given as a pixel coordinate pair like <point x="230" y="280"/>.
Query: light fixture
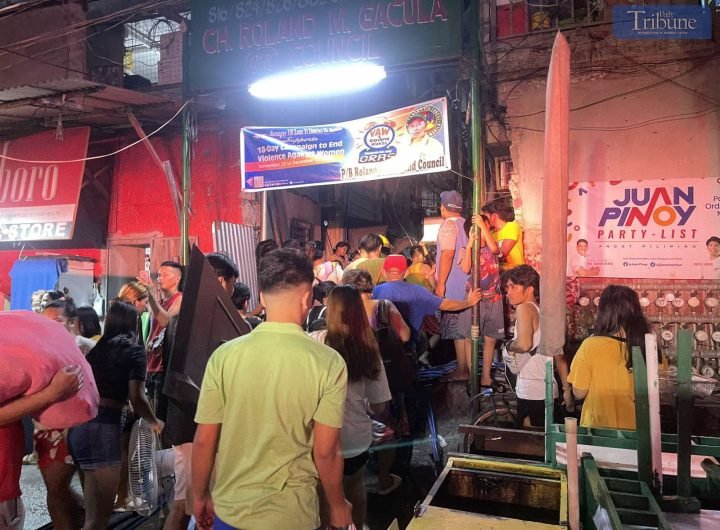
<point x="318" y="82"/>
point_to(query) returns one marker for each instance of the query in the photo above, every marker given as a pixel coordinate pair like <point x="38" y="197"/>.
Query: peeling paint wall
<point x="661" y="132"/>
<point x="141" y="202"/>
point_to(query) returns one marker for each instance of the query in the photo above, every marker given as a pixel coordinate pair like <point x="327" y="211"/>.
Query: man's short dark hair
<point x="293" y="244"/>
<point x="180" y="269"/>
<point x="241" y="295"/>
<point x="524" y="275"/>
<point x="358" y="278"/>
<point x="503" y="207"/>
<point x="370" y="243"/>
<point x="264" y="247"/>
<point x="582" y="241"/>
<point x="284" y="269"/>
<point x="173" y="264"/>
<point x="322" y="289"/>
<point x="341" y="244"/>
<point x="223" y="266"/>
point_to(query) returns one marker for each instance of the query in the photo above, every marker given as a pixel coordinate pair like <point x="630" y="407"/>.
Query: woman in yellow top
<point x="419" y="272"/>
<point x="601" y="372"/>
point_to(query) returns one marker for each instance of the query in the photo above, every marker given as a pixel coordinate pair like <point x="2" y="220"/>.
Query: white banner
<point x="645" y="229"/>
<point x="409" y="141"/>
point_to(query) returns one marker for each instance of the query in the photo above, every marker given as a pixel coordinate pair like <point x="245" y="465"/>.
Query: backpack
<point x="316" y="319"/>
<point x="399" y="365"/>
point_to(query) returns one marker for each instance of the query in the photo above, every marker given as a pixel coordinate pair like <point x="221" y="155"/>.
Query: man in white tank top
<point x="523" y="285"/>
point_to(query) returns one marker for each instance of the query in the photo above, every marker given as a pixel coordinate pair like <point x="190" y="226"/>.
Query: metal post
<point x="550" y="455"/>
<point x="478" y="169"/>
<point x="185" y="219"/>
<point x="683" y="502"/>
<point x="684" y="411"/>
<point x="642" y="418"/>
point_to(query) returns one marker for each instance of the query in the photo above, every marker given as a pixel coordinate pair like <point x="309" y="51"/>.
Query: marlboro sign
<point x="40" y="179"/>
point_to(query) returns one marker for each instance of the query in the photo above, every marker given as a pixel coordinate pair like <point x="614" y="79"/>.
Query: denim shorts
<point x="96" y="444"/>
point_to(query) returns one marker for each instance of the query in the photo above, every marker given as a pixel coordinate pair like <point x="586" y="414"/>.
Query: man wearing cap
<point x="415" y="302"/>
<point x="452" y="281"/>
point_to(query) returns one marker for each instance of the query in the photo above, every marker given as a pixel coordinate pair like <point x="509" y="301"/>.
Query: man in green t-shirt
<point x="269" y="416"/>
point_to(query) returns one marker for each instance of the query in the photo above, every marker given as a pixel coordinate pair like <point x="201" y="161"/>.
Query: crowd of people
<point x="325" y="377"/>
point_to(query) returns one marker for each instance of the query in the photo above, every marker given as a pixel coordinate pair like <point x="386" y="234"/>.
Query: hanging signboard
<point x="235" y="42"/>
<point x="665" y="229"/>
<point x="38" y="200"/>
<point x="408" y="141"/>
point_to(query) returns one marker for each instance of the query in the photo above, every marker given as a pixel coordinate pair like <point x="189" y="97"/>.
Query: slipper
<point x="396" y="481"/>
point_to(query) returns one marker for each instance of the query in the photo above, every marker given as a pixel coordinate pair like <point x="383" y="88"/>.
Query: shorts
<point x="492" y="318"/>
<point x="127" y="420"/>
<point x="222" y="525"/>
<point x="12" y="514"/>
<point x="530" y="408"/>
<point x="96" y="444"/>
<point x="154" y="385"/>
<point x="51" y="446"/>
<point x="183" y="464"/>
<point x="455" y="325"/>
<point x="355" y="463"/>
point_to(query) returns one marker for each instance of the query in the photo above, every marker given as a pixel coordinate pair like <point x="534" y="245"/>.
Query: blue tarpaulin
<point x="31" y="275"/>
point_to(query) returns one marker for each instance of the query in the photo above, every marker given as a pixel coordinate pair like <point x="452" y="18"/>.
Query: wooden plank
<point x="436" y="518"/>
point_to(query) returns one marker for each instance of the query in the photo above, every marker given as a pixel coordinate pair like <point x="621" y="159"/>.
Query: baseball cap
<point x="396" y="263"/>
<point x="451" y="200"/>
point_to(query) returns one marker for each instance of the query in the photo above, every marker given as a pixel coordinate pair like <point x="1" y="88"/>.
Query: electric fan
<point x="142" y="468"/>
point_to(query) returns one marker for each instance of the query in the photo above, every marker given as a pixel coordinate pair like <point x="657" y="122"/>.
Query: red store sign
<point x="39" y="199"/>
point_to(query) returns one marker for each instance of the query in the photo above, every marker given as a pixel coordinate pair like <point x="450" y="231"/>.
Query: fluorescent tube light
<point x="318" y="82"/>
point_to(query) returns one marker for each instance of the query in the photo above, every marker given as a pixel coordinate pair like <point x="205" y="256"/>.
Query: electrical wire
<point x="98" y="157"/>
<point x="73" y="28"/>
<point x="661" y="119"/>
<point x="615" y="96"/>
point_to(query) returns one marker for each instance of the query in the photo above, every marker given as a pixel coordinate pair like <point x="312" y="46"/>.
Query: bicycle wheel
<point x="495" y="415"/>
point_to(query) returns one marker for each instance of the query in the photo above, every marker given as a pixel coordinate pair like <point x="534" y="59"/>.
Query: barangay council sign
<point x="408" y="141"/>
<point x="662" y="22"/>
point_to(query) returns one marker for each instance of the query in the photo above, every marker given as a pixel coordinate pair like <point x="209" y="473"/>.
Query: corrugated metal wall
<point x="238" y="242"/>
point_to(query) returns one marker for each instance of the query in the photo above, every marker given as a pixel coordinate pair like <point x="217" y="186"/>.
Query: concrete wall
<point x="58" y="54"/>
<point x="635" y="124"/>
<point x="682" y="140"/>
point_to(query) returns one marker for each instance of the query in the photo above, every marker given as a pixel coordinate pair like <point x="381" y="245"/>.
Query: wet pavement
<point x="417" y="481"/>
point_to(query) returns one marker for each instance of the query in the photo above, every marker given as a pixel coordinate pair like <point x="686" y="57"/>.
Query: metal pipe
<point x="478" y="169"/>
<point x="572" y="473"/>
<point x="651" y="361"/>
<point x="185" y="220"/>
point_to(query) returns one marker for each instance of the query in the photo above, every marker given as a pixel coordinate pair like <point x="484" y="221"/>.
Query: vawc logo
<point x="662" y="22"/>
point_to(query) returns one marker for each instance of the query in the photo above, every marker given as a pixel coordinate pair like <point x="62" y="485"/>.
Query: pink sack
<point x="32" y="349"/>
